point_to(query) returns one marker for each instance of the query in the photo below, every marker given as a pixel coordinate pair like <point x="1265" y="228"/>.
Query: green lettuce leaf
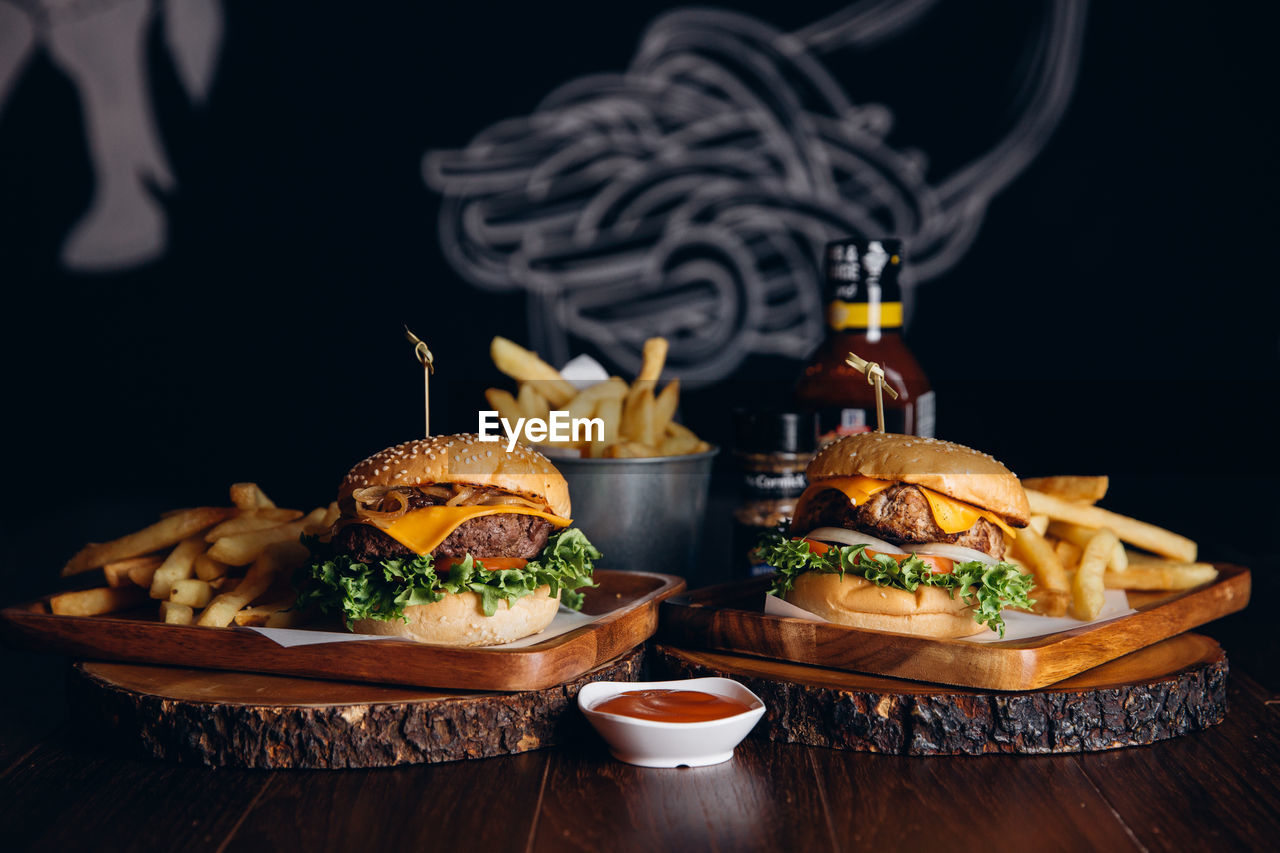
<point x="338" y="584"/>
<point x="992" y="587"/>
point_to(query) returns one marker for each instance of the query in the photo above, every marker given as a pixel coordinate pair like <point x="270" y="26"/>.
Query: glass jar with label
<point x="772" y="449"/>
<point x="864" y="315"/>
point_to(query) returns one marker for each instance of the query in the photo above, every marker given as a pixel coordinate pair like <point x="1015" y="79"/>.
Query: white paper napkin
<point x="566" y="620"/>
<point x="1018" y="626"/>
<point x="583" y="371"/>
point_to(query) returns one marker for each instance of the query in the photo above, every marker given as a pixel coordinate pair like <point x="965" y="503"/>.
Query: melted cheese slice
<point x="421" y="530"/>
<point x="951" y="515"/>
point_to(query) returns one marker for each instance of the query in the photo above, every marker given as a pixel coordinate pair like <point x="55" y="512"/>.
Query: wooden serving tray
<point x="626" y="602"/>
<point x="730" y="618"/>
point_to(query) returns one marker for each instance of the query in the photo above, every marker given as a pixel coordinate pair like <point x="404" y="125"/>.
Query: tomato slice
<point x="493" y="564"/>
<point x="939" y="565"/>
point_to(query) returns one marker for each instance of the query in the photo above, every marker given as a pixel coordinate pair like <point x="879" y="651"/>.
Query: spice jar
<point x="771" y="449"/>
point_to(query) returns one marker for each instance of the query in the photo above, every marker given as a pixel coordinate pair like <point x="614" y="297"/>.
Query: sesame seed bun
<point x="859" y="603"/>
<point x="459" y="620"/>
<point x="951" y="469"/>
<point x="466" y="460"/>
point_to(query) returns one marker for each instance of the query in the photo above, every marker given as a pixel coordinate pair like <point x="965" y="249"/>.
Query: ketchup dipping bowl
<point x="663" y="743"/>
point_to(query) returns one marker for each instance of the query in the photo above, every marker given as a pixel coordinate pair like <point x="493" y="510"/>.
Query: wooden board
<point x="237" y="719"/>
<point x="626" y="603"/>
<point x="1168" y="689"/>
<point x="730" y="618"/>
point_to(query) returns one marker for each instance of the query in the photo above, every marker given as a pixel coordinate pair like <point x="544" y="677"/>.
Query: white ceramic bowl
<point x="650" y="743"/>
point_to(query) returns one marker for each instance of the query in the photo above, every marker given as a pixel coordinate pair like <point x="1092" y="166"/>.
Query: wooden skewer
<point x="875" y="378"/>
<point x="424" y="355"/>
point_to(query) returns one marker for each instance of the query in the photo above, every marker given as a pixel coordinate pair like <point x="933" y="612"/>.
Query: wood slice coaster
<point x="241" y="719"/>
<point x="1169" y="689"/>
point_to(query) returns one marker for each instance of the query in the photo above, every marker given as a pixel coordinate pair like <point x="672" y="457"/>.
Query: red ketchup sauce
<point x="672" y="706"/>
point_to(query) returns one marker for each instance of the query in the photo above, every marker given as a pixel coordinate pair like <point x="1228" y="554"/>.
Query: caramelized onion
<point x="462" y="498"/>
<point x="379" y="497"/>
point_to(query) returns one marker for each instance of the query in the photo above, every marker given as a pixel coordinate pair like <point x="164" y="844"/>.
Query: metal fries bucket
<point x="643" y="514"/>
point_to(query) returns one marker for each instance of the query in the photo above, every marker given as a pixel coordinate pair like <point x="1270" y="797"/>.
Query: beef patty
<point x="899" y="514"/>
<point x="499" y="535"/>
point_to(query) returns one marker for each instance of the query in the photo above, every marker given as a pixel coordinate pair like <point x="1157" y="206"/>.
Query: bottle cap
<point x="774" y="431"/>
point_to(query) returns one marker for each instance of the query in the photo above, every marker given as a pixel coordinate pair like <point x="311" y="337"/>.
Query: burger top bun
<point x="859" y="603"/>
<point x="458" y="620"/>
<point x="463" y="459"/>
<point x="951" y="469"/>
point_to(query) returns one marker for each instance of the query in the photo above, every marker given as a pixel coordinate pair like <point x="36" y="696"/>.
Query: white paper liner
<point x="583" y="371"/>
<point x="566" y="620"/>
<point x="1018" y="626"/>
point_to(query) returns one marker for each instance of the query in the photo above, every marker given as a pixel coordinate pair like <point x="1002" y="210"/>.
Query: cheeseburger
<point x="905" y="534"/>
<point x="451" y="541"/>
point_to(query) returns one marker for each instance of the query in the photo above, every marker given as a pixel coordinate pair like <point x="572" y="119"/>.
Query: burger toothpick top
<point x="905" y="534"/>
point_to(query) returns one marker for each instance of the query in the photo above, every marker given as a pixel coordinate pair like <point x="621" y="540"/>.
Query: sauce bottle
<point x="771" y="449"/>
<point x="864" y="315"/>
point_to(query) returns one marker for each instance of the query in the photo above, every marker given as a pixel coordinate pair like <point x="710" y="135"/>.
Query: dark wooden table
<point x="62" y="789"/>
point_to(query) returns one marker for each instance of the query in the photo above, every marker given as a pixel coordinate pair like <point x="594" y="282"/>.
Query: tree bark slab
<point x="1173" y="688"/>
<point x="237" y="719"/>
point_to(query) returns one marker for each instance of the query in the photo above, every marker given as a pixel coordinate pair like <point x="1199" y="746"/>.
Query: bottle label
<point x="843" y="315"/>
<point x="759" y="485"/>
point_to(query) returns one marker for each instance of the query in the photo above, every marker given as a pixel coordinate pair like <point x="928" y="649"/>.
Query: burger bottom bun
<point x="859" y="603"/>
<point x="458" y="620"/>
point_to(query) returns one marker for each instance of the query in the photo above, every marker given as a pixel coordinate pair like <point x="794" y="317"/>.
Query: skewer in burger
<point x="451" y="541"/>
<point x="905" y="534"/>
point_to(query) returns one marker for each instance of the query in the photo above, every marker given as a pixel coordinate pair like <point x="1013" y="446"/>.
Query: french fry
<point x="176" y="566"/>
<point x="1068" y="553"/>
<point x="242" y="549"/>
<point x="654" y="359"/>
<point x="207" y="569"/>
<point x="1087" y="589"/>
<point x="1118" y="561"/>
<point x="610" y="411"/>
<point x="1049" y="602"/>
<point x="1160" y="574"/>
<point x="278" y="614"/>
<point x="143" y="574"/>
<point x="1130" y="530"/>
<point x="1079" y="489"/>
<point x="664" y="407"/>
<point x="250" y="496"/>
<point x="172" y="613"/>
<point x="630" y="450"/>
<point x="531" y="403"/>
<point x="94" y="602"/>
<point x="118" y="572"/>
<point x="192" y="592"/>
<point x="612" y="388"/>
<point x="274" y="559"/>
<point x="1040" y="523"/>
<point x="638" y="417"/>
<point x="253" y="519"/>
<point x="164" y="533"/>
<point x="504" y="404"/>
<point x="675" y="444"/>
<point x="1038" y="555"/>
<point x="523" y="365"/>
<point x="331" y="513"/>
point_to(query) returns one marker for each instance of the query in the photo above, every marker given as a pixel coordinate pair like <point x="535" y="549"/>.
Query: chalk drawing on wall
<point x="690" y="195"/>
<point x="101" y="46"/>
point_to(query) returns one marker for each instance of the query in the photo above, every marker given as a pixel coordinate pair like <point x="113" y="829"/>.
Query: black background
<point x="1116" y="313"/>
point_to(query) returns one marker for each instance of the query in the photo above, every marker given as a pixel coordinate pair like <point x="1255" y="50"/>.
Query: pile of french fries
<point x="637" y="417"/>
<point x="210" y="566"/>
<point x="1077" y="550"/>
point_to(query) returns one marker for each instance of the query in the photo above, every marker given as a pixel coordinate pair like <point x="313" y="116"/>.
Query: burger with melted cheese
<point x="905" y="534"/>
<point x="451" y="541"/>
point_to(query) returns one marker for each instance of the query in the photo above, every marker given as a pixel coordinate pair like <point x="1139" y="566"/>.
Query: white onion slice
<point x="959" y="553"/>
<point x="852" y="537"/>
